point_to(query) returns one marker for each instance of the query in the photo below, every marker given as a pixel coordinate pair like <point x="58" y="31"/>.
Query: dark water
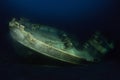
<point x="77" y="17"/>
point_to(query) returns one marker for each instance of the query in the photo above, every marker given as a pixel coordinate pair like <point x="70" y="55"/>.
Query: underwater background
<point x="77" y="17"/>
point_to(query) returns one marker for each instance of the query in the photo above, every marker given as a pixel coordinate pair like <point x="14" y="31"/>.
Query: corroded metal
<point x="56" y="44"/>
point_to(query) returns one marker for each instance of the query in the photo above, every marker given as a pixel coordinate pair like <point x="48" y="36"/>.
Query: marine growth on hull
<point x="56" y="44"/>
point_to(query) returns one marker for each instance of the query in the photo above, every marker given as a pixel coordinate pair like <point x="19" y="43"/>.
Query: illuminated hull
<point x="52" y="43"/>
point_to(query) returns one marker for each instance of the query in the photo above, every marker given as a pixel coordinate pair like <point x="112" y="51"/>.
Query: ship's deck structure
<point x="55" y="43"/>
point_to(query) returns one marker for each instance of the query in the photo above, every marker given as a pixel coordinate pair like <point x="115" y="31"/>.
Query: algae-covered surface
<point x="57" y="44"/>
